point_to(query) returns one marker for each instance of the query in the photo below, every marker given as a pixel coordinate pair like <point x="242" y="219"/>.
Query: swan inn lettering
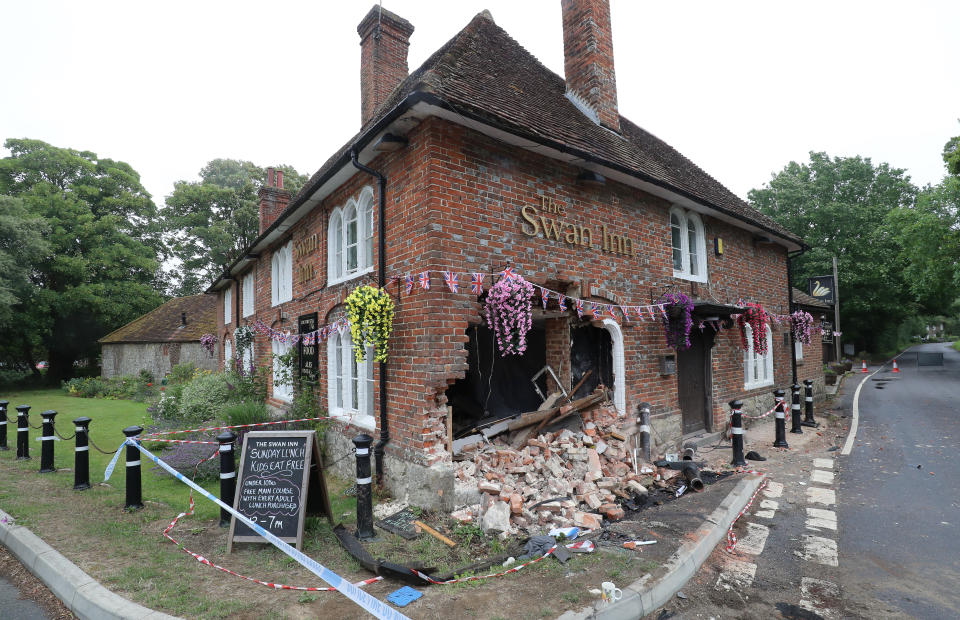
<point x="548" y="222"/>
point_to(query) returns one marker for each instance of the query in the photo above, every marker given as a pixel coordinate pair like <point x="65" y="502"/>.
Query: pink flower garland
<point x="509" y="314"/>
<point x="757" y="318"/>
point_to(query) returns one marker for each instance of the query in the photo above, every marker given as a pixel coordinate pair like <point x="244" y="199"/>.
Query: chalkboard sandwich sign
<point x="281" y="481"/>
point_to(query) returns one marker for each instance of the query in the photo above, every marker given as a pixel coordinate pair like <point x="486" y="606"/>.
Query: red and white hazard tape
<point x="221" y="428"/>
<point x="759" y="417"/>
<point x="731" y="537"/>
<point x="151" y="440"/>
<point x="478" y="577"/>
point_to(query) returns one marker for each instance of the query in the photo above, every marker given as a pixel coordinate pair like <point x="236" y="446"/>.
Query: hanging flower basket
<point x="208" y="342"/>
<point x="757" y="318"/>
<point x="802" y="324"/>
<point x="509" y="314"/>
<point x="678" y="320"/>
<point x="370" y="311"/>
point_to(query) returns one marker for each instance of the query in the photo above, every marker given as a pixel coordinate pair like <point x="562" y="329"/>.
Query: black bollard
<point x="81" y="458"/>
<point x="645" y="431"/>
<point x="736" y="430"/>
<point x="795" y="409"/>
<point x="46" y="443"/>
<point x="781" y="424"/>
<point x="23" y="432"/>
<point x="364" y="488"/>
<point x="3" y="424"/>
<point x="134" y="493"/>
<point x="808" y="403"/>
<point x="228" y="474"/>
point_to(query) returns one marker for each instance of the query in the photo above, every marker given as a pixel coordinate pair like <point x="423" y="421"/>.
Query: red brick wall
<point x="454" y="201"/>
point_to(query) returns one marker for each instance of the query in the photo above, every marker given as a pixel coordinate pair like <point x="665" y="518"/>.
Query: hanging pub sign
<point x="309" y="354"/>
<point x="822" y="288"/>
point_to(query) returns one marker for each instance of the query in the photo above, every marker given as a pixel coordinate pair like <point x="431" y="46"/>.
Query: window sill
<point x="753" y="386"/>
<point x="682" y="275"/>
<point x="353" y="276"/>
<point x="365" y="422"/>
<point x="279" y="303"/>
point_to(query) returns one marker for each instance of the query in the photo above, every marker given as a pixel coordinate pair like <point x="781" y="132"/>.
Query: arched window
<point x="757" y="369"/>
<point x="619" y="370"/>
<point x="281" y="274"/>
<point x="282" y="389"/>
<point x="350" y="238"/>
<point x="228" y="304"/>
<point x="227" y="353"/>
<point x="688" y="245"/>
<point x="349" y="383"/>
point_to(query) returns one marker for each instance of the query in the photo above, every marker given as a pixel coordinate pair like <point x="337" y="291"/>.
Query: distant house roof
<point x="802" y="299"/>
<point x="482" y="75"/>
<point x="163" y="324"/>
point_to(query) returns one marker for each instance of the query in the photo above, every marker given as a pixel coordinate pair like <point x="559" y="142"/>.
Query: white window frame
<point x="227" y="353"/>
<point x="686" y="219"/>
<point x="248" y="355"/>
<point x="247" y="294"/>
<point x="359" y="210"/>
<point x="757" y="369"/>
<point x="228" y="305"/>
<point x="281" y="391"/>
<point x="619" y="366"/>
<point x="281" y="274"/>
<point x="798" y="349"/>
<point x="342" y="371"/>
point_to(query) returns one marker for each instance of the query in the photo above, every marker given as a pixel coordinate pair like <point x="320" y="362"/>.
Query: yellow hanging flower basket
<point x="370" y="311"/>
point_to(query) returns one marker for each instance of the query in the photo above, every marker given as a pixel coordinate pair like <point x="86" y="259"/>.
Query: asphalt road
<point x="898" y="494"/>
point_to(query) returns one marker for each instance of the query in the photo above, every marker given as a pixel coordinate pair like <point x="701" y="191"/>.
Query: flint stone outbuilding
<point x="162" y="338"/>
<point x="481" y="160"/>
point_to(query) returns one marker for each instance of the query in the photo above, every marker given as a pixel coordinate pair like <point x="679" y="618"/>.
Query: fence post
<point x="781" y="424"/>
<point x="3" y="424"/>
<point x="808" y="403"/>
<point x="23" y="432"/>
<point x="736" y="432"/>
<point x="46" y="442"/>
<point x="228" y="474"/>
<point x="795" y="409"/>
<point x="364" y="488"/>
<point x="81" y="454"/>
<point x="134" y="492"/>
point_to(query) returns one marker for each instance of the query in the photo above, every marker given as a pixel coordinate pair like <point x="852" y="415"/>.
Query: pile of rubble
<point x="557" y="479"/>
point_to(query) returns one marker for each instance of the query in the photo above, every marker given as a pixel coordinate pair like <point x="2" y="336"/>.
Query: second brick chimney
<point x="588" y="59"/>
<point x="273" y="198"/>
<point x="384" y="41"/>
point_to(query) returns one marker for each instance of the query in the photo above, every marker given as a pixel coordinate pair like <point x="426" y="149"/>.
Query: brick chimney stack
<point x="384" y="41"/>
<point x="588" y="59"/>
<point x="273" y="198"/>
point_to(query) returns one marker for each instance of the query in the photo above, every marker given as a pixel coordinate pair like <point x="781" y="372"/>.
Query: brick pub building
<point x="480" y="160"/>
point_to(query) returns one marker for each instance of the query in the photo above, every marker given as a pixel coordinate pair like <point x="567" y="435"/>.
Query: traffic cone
<point x="864" y="362"/>
<point x="895" y="367"/>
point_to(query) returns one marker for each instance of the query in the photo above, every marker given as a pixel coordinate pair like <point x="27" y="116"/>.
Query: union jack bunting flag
<point x="508" y="273"/>
<point x="662" y="310"/>
<point x="476" y="284"/>
<point x="652" y="315"/>
<point x="596" y="311"/>
<point x="544" y="297"/>
<point x="639" y="312"/>
<point x="392" y="280"/>
<point x="612" y="314"/>
<point x="562" y="301"/>
<point x="625" y="313"/>
<point x="579" y="307"/>
<point x="425" y="280"/>
<point x="409" y="281"/>
<point x="452" y="278"/>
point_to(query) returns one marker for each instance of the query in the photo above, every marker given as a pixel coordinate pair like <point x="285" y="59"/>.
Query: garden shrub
<point x="204" y="397"/>
<point x="181" y="373"/>
<point x="249" y="412"/>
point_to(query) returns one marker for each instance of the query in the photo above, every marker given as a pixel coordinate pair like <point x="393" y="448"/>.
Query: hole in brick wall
<point x="479" y="397"/>
<point x="590" y="348"/>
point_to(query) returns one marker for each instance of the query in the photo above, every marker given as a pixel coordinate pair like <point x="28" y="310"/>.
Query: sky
<point x="740" y="88"/>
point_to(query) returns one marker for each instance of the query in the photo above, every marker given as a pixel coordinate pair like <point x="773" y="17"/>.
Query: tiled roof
<point x="163" y="324"/>
<point x="486" y="75"/>
<point x="802" y="299"/>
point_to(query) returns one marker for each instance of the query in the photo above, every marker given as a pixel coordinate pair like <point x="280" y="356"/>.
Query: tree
<point x="839" y="207"/>
<point x="210" y="222"/>
<point x="99" y="266"/>
<point x="21" y="245"/>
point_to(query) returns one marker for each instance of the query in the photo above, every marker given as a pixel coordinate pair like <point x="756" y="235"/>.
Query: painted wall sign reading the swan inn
<point x="547" y="220"/>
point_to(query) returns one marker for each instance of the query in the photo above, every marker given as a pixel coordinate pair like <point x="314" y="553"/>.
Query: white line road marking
<point x="774" y="489"/>
<point x="819" y="550"/>
<point x="736" y="574"/>
<point x="767" y="508"/>
<point x="815" y="594"/>
<point x="821" y="477"/>
<point x="823" y="463"/>
<point x="754" y="540"/>
<point x="848" y="444"/>
<point x="818" y="518"/>
<point x="816" y="495"/>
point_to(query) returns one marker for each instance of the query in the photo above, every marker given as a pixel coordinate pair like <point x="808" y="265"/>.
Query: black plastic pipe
<point x="378" y="450"/>
<point x="692" y="473"/>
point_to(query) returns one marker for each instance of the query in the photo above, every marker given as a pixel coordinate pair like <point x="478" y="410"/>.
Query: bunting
<point x="425" y="280"/>
<point x="476" y="284"/>
<point x="452" y="280"/>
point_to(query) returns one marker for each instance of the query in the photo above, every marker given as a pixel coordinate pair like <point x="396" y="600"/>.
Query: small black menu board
<point x="309" y="354"/>
<point x="280" y="482"/>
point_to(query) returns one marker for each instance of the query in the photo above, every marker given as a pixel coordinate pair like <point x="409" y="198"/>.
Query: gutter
<point x="378" y="449"/>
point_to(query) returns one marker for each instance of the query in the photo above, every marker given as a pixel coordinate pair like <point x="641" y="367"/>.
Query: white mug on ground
<point x="609" y="592"/>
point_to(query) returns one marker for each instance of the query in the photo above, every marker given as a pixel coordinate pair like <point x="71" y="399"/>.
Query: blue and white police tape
<point x="113" y="463"/>
<point x="374" y="606"/>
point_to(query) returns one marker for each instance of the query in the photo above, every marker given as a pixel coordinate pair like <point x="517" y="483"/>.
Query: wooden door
<point x="693" y="383"/>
